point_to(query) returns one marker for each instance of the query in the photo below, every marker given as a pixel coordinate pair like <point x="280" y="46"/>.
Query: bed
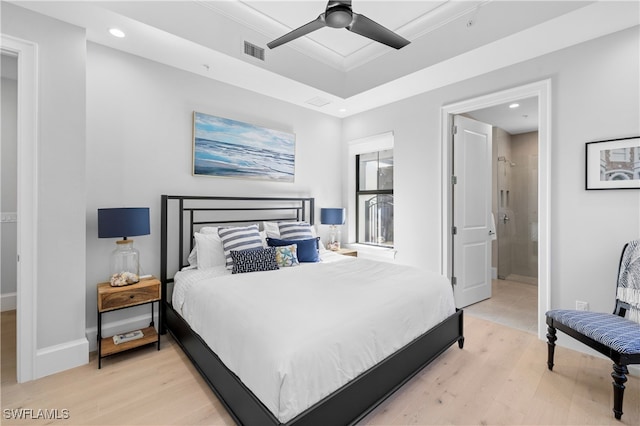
<point x="319" y="343"/>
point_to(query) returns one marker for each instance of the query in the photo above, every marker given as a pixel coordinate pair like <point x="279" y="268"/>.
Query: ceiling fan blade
<point x="371" y="29"/>
<point x="318" y="23"/>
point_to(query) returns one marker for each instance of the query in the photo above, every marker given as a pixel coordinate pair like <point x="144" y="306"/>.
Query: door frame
<point x="541" y="90"/>
<point x="27" y="203"/>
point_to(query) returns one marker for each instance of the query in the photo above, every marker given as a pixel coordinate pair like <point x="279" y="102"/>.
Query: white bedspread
<point x="295" y="335"/>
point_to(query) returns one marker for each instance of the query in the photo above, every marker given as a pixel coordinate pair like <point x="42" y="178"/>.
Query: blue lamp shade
<point x="332" y="216"/>
<point x="123" y="222"/>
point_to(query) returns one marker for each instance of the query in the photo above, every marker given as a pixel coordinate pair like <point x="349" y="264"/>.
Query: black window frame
<point x="368" y="192"/>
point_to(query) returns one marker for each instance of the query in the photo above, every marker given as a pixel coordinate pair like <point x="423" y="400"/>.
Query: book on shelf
<point x="127" y="337"/>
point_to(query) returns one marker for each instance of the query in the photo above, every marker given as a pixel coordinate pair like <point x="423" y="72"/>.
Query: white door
<point x="471" y="211"/>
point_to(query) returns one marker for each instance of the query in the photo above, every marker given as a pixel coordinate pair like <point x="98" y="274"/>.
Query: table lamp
<point x="333" y="217"/>
<point x="124" y="264"/>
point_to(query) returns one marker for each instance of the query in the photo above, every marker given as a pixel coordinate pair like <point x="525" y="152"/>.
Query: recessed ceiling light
<point x="514" y="106"/>
<point x="342" y="110"/>
<point x="116" y="32"/>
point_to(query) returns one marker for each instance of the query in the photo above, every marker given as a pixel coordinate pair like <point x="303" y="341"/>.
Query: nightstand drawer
<point x="120" y="297"/>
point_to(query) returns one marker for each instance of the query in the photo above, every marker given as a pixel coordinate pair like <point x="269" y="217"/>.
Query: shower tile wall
<point x="524" y="151"/>
<point x="515" y="196"/>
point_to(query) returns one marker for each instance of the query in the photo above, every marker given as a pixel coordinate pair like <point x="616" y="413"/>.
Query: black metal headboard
<point x="182" y="215"/>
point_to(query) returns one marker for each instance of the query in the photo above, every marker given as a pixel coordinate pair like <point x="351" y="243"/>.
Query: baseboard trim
<point x="8" y="302"/>
<point x="56" y="358"/>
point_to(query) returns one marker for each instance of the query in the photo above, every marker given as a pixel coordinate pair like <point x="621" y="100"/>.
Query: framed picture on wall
<point x="228" y="148"/>
<point x="613" y="164"/>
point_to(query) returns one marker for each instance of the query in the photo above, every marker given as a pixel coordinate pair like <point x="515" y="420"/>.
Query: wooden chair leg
<point x="551" y="345"/>
<point x="619" y="379"/>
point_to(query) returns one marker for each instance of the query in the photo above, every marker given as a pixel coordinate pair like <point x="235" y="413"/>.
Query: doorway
<point x="8" y="206"/>
<point x="541" y="92"/>
<point x="514" y="188"/>
<point x="26" y="205"/>
<point x="9" y="190"/>
<point x="515" y="214"/>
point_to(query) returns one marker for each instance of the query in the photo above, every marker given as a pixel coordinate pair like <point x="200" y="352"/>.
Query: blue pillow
<point x="254" y="260"/>
<point x="307" y="249"/>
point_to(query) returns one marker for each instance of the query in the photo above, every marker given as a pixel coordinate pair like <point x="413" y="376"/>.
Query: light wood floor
<point x="499" y="378"/>
<point x="512" y="303"/>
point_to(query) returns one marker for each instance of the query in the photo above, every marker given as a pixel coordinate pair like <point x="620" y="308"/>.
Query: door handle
<point x="505" y="219"/>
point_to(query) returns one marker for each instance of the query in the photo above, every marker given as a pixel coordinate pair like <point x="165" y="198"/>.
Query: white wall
<point x="61" y="198"/>
<point x="595" y="96"/>
<point x="139" y="146"/>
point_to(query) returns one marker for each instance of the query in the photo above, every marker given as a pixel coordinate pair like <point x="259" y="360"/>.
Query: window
<point x="374" y="198"/>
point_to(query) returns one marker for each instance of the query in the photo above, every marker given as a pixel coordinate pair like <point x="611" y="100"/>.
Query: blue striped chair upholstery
<point x="612" y="335"/>
<point x="613" y="331"/>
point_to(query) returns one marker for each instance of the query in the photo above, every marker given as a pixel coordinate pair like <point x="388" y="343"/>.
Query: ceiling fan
<point x="340" y="15"/>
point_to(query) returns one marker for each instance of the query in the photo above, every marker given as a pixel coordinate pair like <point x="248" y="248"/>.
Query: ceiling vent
<point x="318" y="101"/>
<point x="253" y="50"/>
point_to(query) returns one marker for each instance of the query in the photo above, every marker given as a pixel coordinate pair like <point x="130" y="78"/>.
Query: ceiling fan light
<point x="338" y="16"/>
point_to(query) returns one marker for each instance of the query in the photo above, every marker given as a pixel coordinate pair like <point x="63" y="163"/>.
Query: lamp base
<point x="124" y="265"/>
<point x="333" y="245"/>
<point x="334" y="241"/>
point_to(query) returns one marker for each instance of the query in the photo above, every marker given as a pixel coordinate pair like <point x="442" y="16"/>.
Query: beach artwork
<point x="230" y="148"/>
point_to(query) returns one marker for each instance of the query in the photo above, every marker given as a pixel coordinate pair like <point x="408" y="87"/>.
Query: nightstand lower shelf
<point x="109" y="348"/>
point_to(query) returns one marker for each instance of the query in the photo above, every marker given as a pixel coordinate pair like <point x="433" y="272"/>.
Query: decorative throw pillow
<point x="254" y="260"/>
<point x="307" y="250"/>
<point x="209" y="251"/>
<point x="295" y="230"/>
<point x="287" y="255"/>
<point x="239" y="238"/>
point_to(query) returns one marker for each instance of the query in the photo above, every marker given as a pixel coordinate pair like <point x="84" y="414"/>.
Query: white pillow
<point x="209" y="250"/>
<point x="193" y="256"/>
<point x="272" y="229"/>
<point x="209" y="230"/>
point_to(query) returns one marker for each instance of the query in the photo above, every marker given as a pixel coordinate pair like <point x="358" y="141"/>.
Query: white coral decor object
<point x="123" y="278"/>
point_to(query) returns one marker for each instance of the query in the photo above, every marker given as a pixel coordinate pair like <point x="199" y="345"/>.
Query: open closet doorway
<point x="8" y="205"/>
<point x="541" y="93"/>
<point x="26" y="53"/>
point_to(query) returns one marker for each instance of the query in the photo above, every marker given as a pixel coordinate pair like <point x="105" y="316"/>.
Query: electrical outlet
<point x="582" y="306"/>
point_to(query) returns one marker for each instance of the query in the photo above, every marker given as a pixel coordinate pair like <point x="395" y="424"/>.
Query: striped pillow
<point x="239" y="238"/>
<point x="295" y="230"/>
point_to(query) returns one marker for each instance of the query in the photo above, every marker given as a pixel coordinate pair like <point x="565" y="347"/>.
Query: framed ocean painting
<point x="228" y="148"/>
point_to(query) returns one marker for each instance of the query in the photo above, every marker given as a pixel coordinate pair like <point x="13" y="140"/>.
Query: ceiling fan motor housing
<point x="339" y="16"/>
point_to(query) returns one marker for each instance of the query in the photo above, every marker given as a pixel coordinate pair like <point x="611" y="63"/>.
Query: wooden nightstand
<point x="114" y="298"/>
<point x="347" y="252"/>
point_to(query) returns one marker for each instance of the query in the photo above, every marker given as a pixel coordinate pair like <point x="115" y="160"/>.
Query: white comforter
<point x="295" y="335"/>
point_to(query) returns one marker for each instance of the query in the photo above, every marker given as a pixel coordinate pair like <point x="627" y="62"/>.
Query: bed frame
<point x="347" y="405"/>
